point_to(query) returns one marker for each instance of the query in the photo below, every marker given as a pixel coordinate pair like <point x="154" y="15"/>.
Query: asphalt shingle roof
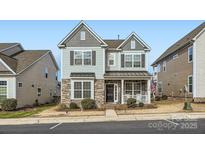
<point x="6" y="45"/>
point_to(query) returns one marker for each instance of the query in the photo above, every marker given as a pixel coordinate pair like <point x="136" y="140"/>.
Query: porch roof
<point x="127" y="74"/>
<point x="82" y="74"/>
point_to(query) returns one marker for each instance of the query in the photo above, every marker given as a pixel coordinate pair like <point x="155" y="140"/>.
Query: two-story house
<point x="108" y="71"/>
<point x="182" y="67"/>
<point x="30" y="76"/>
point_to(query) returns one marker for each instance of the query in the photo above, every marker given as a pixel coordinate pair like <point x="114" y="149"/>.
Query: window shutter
<point x="143" y="60"/>
<point x="122" y="60"/>
<point x="71" y="57"/>
<point x="93" y="57"/>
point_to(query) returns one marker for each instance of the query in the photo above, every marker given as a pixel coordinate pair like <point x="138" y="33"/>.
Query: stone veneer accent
<point x="99" y="92"/>
<point x="65" y="91"/>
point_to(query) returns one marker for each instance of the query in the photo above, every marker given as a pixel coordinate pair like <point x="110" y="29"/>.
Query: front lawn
<point x="25" y="112"/>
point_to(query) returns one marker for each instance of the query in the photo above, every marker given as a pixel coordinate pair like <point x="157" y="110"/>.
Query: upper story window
<point x="83" y="57"/>
<point x="158" y="68"/>
<point x="190" y="54"/>
<point x="82" y="35"/>
<point x="133" y="60"/>
<point x="190" y="83"/>
<point x="133" y="45"/>
<point x="164" y="66"/>
<point x="20" y="84"/>
<point x="111" y="59"/>
<point x="39" y="91"/>
<point x="46" y="72"/>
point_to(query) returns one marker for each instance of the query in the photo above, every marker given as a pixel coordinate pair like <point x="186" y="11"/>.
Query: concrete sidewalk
<point x="19" y="121"/>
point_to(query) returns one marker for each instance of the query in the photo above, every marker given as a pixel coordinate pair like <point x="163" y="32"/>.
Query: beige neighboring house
<point x="183" y="65"/>
<point x="27" y="75"/>
<point x="108" y="71"/>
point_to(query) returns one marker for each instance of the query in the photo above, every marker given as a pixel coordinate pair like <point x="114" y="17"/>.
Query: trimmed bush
<point x="131" y="102"/>
<point x="73" y="106"/>
<point x="164" y="97"/>
<point x="88" y="103"/>
<point x="9" y="104"/>
<point x="141" y="104"/>
<point x="157" y="98"/>
<point x="187" y="106"/>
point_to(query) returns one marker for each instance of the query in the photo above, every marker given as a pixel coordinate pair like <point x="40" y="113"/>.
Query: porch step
<point x="110" y="113"/>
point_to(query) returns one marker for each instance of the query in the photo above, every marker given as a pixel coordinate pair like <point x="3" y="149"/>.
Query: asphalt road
<point x="124" y="127"/>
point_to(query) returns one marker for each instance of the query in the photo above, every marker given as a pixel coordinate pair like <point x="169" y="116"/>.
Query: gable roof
<point x="181" y="43"/>
<point x="133" y="34"/>
<point x="82" y="23"/>
<point x="113" y="44"/>
<point x="10" y="62"/>
<point x="4" y="46"/>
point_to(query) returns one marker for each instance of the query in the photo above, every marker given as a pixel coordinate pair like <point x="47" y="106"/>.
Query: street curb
<point x="22" y="121"/>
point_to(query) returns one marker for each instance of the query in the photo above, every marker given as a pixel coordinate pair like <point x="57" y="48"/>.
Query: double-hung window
<point x="132" y="60"/>
<point x="83" y="57"/>
<point x="137" y="60"/>
<point x="3" y="90"/>
<point x="132" y="88"/>
<point x="82" y="89"/>
<point x="111" y="59"/>
<point x="128" y="60"/>
<point x="190" y="54"/>
<point x="190" y="83"/>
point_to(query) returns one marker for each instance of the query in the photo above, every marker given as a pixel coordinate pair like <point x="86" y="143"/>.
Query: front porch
<point x="118" y="91"/>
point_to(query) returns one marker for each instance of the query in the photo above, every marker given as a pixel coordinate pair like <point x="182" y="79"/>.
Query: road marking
<point x="55" y="126"/>
<point x="171" y="121"/>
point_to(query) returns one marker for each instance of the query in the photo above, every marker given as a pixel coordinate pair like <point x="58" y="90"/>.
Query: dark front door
<point x="110" y="93"/>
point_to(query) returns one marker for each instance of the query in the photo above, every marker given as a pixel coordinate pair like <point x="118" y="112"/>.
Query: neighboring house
<point x="108" y="71"/>
<point x="27" y="75"/>
<point x="183" y="65"/>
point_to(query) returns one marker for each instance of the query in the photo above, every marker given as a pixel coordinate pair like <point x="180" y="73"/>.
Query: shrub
<point x="73" y="106"/>
<point x="9" y="104"/>
<point x="62" y="107"/>
<point x="187" y="106"/>
<point x="131" y="102"/>
<point x="157" y="98"/>
<point x="141" y="104"/>
<point x="88" y="104"/>
<point x="164" y="97"/>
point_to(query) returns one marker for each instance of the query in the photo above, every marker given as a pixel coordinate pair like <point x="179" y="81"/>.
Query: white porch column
<point x="149" y="91"/>
<point x="122" y="91"/>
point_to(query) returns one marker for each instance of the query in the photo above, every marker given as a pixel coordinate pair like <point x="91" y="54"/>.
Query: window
<point x="159" y="87"/>
<point x="39" y="91"/>
<point x="20" y="84"/>
<point x="190" y="54"/>
<point x="133" y="60"/>
<point x="128" y="60"/>
<point x="83" y="57"/>
<point x="111" y="59"/>
<point x="158" y="68"/>
<point x="190" y="83"/>
<point x="133" y="44"/>
<point x="164" y="66"/>
<point x="82" y="89"/>
<point x="175" y="56"/>
<point x="46" y="72"/>
<point x="132" y="88"/>
<point x="82" y="35"/>
<point x="3" y="90"/>
<point x="56" y="76"/>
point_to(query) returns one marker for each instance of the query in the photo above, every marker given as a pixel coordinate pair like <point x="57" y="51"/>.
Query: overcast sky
<point x="159" y="35"/>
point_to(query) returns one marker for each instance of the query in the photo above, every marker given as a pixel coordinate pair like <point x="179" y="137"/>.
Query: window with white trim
<point x="83" y="57"/>
<point x="158" y="68"/>
<point x="190" y="83"/>
<point x="46" y="72"/>
<point x="3" y="90"/>
<point x="133" y="45"/>
<point x="164" y="66"/>
<point x="190" y="54"/>
<point x="175" y="56"/>
<point x="39" y="91"/>
<point x="132" y="60"/>
<point x="82" y="89"/>
<point x="111" y="59"/>
<point x="132" y="88"/>
<point x="82" y="35"/>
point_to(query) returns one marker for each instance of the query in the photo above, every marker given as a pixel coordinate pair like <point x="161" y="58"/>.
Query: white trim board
<point x="7" y="66"/>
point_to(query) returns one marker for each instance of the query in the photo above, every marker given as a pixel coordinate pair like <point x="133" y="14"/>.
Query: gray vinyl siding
<point x="67" y="69"/>
<point x="127" y="45"/>
<point x="90" y="40"/>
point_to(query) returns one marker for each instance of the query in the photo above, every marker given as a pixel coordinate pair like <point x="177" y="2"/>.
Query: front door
<point x="110" y="93"/>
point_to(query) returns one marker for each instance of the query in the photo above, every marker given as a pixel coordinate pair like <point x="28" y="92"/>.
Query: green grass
<point x="25" y="112"/>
